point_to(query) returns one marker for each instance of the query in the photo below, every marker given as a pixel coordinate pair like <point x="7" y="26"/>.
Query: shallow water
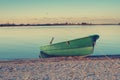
<point x="24" y="42"/>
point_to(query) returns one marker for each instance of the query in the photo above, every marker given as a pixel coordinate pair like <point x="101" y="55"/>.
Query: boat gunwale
<point x="70" y="41"/>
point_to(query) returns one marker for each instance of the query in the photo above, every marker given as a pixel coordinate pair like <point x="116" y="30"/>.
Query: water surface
<point x="24" y="42"/>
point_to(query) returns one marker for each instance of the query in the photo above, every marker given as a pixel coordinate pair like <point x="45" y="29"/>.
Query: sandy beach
<point x="64" y="68"/>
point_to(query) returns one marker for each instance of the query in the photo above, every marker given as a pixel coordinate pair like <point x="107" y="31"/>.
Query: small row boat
<point x="77" y="47"/>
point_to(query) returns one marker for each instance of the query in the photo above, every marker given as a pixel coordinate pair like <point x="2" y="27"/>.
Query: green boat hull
<point x="77" y="47"/>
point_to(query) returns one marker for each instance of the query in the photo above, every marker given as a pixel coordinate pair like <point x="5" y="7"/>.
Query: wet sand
<point x="61" y="68"/>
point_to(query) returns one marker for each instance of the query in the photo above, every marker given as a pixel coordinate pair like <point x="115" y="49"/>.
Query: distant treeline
<point x="54" y="24"/>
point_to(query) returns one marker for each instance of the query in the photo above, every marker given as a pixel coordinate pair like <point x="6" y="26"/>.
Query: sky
<point x="59" y="11"/>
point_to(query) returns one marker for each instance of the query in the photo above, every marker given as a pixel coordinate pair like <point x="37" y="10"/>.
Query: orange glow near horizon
<point x="58" y="20"/>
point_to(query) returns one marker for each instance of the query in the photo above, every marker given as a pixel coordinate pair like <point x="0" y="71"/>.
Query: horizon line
<point x="54" y="24"/>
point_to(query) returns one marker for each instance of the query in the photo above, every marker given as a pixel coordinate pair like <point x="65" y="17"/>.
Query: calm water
<point x="24" y="42"/>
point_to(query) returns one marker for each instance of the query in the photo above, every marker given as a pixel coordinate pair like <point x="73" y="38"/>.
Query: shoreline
<point x="61" y="68"/>
<point x="92" y="57"/>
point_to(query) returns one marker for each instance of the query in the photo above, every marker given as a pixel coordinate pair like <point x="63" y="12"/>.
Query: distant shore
<point x="62" y="68"/>
<point x="54" y="24"/>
